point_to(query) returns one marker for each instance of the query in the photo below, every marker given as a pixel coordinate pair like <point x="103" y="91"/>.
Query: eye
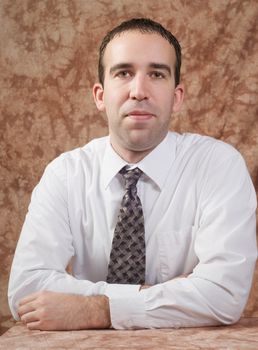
<point x="123" y="74"/>
<point x="157" y="75"/>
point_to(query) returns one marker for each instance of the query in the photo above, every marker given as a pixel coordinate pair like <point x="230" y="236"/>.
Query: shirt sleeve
<point x="225" y="243"/>
<point x="45" y="246"/>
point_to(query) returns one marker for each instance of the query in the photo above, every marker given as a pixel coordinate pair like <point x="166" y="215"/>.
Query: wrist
<point x="98" y="312"/>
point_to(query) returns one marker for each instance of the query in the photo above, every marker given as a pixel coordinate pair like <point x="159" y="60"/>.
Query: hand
<point x="144" y="286"/>
<point x="184" y="275"/>
<point x="47" y="310"/>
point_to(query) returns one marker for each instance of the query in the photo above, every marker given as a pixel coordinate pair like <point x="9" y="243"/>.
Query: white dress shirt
<point x="199" y="208"/>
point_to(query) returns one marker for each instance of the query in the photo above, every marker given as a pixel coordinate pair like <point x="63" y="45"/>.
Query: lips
<point x="140" y="115"/>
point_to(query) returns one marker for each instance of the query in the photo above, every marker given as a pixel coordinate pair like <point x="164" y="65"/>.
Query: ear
<point x="98" y="95"/>
<point x="178" y="97"/>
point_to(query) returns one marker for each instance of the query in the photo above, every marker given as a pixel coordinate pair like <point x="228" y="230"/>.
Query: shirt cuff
<point x="121" y="290"/>
<point x="127" y="307"/>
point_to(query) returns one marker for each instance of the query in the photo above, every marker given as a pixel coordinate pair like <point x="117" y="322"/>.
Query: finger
<point x="24" y="309"/>
<point x="29" y="317"/>
<point x="28" y="298"/>
<point x="145" y="286"/>
<point x="34" y="325"/>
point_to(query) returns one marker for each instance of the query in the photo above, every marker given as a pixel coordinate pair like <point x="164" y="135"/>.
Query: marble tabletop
<point x="243" y="335"/>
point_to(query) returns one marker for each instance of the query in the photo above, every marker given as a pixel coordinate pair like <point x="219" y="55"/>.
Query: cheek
<point x="168" y="101"/>
<point x="164" y="104"/>
<point x="114" y="99"/>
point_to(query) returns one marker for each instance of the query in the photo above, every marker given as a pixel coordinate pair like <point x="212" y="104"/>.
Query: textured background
<point x="48" y="65"/>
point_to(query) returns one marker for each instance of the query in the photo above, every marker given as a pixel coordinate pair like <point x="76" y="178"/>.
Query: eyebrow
<point x="161" y="66"/>
<point x="119" y="66"/>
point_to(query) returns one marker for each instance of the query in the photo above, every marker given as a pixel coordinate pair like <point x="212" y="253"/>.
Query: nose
<point x="139" y="88"/>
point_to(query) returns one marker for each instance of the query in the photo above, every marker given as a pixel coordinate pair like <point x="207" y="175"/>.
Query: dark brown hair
<point x="144" y="25"/>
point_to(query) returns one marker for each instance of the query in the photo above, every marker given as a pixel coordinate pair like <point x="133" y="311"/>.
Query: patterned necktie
<point x="127" y="257"/>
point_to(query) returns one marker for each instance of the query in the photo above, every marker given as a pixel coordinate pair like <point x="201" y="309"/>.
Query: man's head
<point x="143" y="25"/>
<point x="140" y="87"/>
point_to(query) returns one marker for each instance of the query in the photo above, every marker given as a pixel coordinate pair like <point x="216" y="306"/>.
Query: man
<point x="192" y="210"/>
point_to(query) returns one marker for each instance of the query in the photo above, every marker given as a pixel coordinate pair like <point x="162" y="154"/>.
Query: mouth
<point x="140" y="115"/>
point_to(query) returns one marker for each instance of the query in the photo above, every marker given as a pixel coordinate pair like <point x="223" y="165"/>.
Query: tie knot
<point x="131" y="176"/>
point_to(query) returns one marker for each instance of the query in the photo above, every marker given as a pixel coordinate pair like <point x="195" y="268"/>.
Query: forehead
<point x="135" y="47"/>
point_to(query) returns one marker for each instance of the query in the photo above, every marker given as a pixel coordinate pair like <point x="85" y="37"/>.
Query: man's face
<point x="139" y="91"/>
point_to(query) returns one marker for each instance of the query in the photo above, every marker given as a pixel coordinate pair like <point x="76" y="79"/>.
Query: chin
<point x="140" y="146"/>
<point x="138" y="143"/>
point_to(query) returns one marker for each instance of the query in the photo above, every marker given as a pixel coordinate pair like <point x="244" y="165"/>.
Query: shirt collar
<point x="155" y="165"/>
<point x="112" y="164"/>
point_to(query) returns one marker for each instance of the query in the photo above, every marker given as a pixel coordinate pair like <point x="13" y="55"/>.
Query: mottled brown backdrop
<point x="48" y="65"/>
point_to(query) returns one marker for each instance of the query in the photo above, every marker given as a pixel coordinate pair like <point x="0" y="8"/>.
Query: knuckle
<point x="41" y="323"/>
<point x="43" y="313"/>
<point x="42" y="293"/>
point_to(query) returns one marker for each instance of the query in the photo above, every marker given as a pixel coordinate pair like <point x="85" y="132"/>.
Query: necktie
<point x="127" y="257"/>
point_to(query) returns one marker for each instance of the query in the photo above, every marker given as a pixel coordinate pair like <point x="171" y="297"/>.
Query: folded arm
<point x="215" y="292"/>
<point x="59" y="311"/>
<point x="225" y="243"/>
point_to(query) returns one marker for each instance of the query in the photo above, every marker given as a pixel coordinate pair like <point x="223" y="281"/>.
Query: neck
<point x="130" y="156"/>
